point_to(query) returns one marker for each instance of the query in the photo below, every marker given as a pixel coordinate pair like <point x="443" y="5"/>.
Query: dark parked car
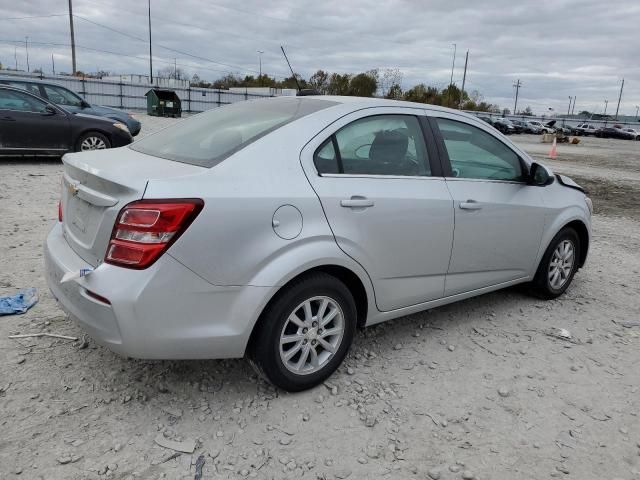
<point x="71" y="101"/>
<point x="505" y="126"/>
<point x="614" y="132"/>
<point x="32" y="126"/>
<point x="524" y="127"/>
<point x="486" y="119"/>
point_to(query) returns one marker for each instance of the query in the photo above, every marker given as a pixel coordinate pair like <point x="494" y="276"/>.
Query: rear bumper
<point x="163" y="312"/>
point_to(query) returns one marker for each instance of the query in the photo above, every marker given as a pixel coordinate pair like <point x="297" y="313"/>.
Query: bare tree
<point x="387" y="77"/>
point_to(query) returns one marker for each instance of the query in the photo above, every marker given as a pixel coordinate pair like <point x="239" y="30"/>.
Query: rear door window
<point x="208" y="138"/>
<point x="62" y="96"/>
<point x="391" y="145"/>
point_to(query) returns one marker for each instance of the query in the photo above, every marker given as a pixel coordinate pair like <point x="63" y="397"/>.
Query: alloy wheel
<point x="92" y="143"/>
<point x="311" y="335"/>
<point x="561" y="264"/>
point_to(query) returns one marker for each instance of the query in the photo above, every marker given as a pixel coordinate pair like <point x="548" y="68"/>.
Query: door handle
<point x="8" y="119"/>
<point x="470" y="205"/>
<point x="357" y="202"/>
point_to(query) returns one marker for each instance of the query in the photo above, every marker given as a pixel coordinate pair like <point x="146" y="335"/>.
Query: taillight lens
<point x="146" y="228"/>
<point x="60" y="210"/>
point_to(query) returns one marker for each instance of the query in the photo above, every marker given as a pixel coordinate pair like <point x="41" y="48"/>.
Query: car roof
<point x="35" y="81"/>
<point x="369" y="102"/>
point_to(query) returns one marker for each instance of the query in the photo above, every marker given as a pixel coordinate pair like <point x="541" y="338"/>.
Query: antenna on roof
<point x="301" y="92"/>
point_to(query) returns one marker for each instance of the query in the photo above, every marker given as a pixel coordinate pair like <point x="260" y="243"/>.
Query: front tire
<point x="305" y="333"/>
<point x="558" y="265"/>
<point x="92" y="141"/>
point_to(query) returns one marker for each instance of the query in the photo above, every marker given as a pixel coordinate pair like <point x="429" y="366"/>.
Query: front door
<point x="26" y="125"/>
<point x="387" y="205"/>
<point x="499" y="218"/>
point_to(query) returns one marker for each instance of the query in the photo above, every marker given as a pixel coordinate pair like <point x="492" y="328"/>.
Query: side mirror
<point x="49" y="110"/>
<point x="540" y="176"/>
<point x="84" y="104"/>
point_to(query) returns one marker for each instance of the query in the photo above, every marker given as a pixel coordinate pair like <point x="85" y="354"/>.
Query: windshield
<point x="210" y="137"/>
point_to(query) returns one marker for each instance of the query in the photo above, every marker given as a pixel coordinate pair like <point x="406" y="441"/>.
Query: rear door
<point x="499" y="218"/>
<point x="379" y="182"/>
<point x="26" y="125"/>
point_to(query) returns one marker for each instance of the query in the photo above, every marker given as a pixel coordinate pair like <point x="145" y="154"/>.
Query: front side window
<point x="474" y="153"/>
<point x="208" y="138"/>
<point x="62" y="96"/>
<point x="378" y="145"/>
<point x="11" y="100"/>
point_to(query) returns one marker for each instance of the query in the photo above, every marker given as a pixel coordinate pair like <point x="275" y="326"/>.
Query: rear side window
<point x="62" y="96"/>
<point x="208" y="138"/>
<point x="379" y="145"/>
<point x="474" y="153"/>
<point x="29" y="87"/>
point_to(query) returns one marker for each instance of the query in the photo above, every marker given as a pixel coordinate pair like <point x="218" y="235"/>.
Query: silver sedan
<point x="272" y="229"/>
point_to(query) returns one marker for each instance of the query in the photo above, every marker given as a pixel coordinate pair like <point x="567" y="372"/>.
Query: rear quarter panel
<point x="233" y="242"/>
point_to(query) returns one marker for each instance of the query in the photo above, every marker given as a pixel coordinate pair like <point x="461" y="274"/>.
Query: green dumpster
<point x="163" y="103"/>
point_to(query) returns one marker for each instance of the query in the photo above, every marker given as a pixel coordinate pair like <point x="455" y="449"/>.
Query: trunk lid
<point x="95" y="187"/>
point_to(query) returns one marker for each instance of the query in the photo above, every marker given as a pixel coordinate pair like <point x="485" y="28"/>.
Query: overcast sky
<point x="556" y="48"/>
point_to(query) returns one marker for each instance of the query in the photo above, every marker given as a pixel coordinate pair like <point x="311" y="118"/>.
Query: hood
<point x="110" y="112"/>
<point x="95" y="117"/>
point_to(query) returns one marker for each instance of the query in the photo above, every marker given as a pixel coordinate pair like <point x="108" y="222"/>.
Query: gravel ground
<point x="476" y="390"/>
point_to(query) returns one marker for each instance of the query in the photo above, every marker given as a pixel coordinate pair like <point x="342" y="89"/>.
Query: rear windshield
<point x="208" y="138"/>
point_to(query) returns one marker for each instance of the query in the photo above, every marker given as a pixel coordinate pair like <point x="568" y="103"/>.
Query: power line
<point x="66" y="45"/>
<point x="34" y="16"/>
<point x="175" y="50"/>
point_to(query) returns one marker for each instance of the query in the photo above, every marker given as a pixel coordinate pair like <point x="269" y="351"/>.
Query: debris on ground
<point x="43" y="334"/>
<point x="18" y="303"/>
<point x="184" y="446"/>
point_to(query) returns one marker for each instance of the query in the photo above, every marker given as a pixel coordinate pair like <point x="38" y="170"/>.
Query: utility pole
<point x="619" y="98"/>
<point x="260" y="52"/>
<point x="150" y="58"/>
<point x="53" y="65"/>
<point x="574" y="104"/>
<point x="453" y="64"/>
<point x="464" y="79"/>
<point x="15" y="55"/>
<point x="26" y="47"/>
<point x="637" y="107"/>
<point x="175" y="69"/>
<point x="73" y="40"/>
<point x="606" y="102"/>
<point x="517" y="85"/>
<point x="569" y="107"/>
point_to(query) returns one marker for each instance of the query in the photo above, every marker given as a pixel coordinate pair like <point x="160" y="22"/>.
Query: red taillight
<point x="59" y="210"/>
<point x="146" y="228"/>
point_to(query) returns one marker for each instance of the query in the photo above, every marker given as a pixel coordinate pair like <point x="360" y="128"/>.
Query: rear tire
<point x="305" y="333"/>
<point x="92" y="141"/>
<point x="558" y="265"/>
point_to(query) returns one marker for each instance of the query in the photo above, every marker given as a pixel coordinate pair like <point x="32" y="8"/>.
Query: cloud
<point x="557" y="48"/>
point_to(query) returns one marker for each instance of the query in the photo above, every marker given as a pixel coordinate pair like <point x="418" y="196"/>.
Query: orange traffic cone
<point x="553" y="153"/>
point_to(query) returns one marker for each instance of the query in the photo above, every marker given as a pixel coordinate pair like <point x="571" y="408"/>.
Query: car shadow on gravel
<point x="235" y="379"/>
